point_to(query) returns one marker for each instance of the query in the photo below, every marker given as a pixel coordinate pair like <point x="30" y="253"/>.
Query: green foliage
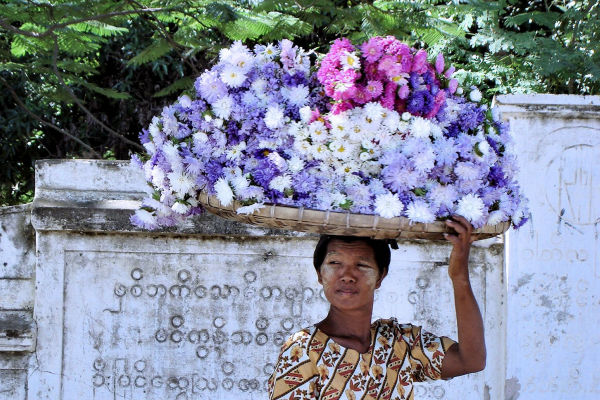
<point x="123" y="61"/>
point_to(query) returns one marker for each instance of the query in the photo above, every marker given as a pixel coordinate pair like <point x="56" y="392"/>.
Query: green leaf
<point x="99" y="28"/>
<point x="111" y="93"/>
<point x="180" y="84"/>
<point x="153" y="52"/>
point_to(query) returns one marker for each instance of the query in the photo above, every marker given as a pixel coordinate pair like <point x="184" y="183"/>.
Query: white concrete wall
<point x="17" y="331"/>
<point x="553" y="274"/>
<point x="200" y="312"/>
<point x="93" y="308"/>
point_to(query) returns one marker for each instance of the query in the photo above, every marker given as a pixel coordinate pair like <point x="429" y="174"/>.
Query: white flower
<point x="158" y="177"/>
<point x="296" y="164"/>
<point x="185" y="101"/>
<point x="280" y="183"/>
<point x="233" y="76"/>
<point x="239" y="183"/>
<point x="351" y="180"/>
<point x="274" y="117"/>
<point x="319" y="151"/>
<point x="146" y="217"/>
<point x="459" y="90"/>
<point x="418" y="211"/>
<point x="180" y="208"/>
<point x="420" y="127"/>
<point x="350" y="60"/>
<point x="305" y="114"/>
<point x="424" y="160"/>
<point x="224" y="192"/>
<point x="302" y="147"/>
<point x="436" y="131"/>
<point x="150" y="148"/>
<point x="388" y="205"/>
<point x="199" y="138"/>
<point x="222" y="107"/>
<point x="374" y="110"/>
<point x="318" y="131"/>
<point x="276" y="159"/>
<point x="340" y="149"/>
<point x="475" y="95"/>
<point x="270" y="51"/>
<point x="442" y="195"/>
<point x="484" y="147"/>
<point x="297" y="95"/>
<point x="241" y="60"/>
<point x="258" y="86"/>
<point x="340" y="125"/>
<point x="250" y="209"/>
<point x="467" y="171"/>
<point x="470" y="207"/>
<point x="406" y="116"/>
<point x="181" y="183"/>
<point x="153" y="128"/>
<point x="496" y="217"/>
<point x="235" y="152"/>
<point x="391" y="121"/>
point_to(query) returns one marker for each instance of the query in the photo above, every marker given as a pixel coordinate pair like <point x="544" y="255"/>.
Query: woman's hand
<point x="461" y="240"/>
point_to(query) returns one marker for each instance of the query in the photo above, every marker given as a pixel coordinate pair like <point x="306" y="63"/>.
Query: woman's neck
<point x="349" y="329"/>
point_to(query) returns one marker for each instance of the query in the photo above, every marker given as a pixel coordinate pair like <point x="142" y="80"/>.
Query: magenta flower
<point x="371" y="50"/>
<point x="419" y="61"/>
<point x="439" y="63"/>
<point x="374" y="88"/>
<point x="403" y="92"/>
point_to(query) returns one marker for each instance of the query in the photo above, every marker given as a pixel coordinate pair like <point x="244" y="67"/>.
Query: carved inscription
<point x="210" y="326"/>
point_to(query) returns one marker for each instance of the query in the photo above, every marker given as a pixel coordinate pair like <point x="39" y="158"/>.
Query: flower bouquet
<point x="371" y="140"/>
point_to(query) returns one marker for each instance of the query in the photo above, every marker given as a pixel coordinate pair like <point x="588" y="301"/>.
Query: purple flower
<point x="420" y="102"/>
<point x="496" y="176"/>
<point x="144" y="136"/>
<point x="264" y="173"/>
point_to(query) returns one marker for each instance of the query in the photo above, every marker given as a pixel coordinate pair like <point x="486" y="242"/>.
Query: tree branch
<point x="169" y="38"/>
<point x="80" y="104"/>
<point x="46" y="123"/>
<point x="5" y="24"/>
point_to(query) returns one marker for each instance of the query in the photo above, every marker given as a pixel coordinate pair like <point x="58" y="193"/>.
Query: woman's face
<point x="349" y="274"/>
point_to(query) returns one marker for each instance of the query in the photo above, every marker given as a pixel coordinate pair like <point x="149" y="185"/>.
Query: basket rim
<point x="339" y="223"/>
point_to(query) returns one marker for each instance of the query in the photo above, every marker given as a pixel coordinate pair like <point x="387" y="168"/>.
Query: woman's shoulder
<point x="301" y="338"/>
<point x="396" y="328"/>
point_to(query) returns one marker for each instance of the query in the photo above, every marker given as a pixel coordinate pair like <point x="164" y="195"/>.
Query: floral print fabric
<point x="312" y="366"/>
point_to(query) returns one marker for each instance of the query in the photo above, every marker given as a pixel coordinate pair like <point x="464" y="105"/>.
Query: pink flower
<point x="419" y="61"/>
<point x="439" y="63"/>
<point x="371" y="50"/>
<point x="452" y="86"/>
<point x="341" y="107"/>
<point x="440" y="99"/>
<point x="387" y="63"/>
<point x="403" y="92"/>
<point x="374" y="88"/>
<point x="389" y="96"/>
<point x="449" y="72"/>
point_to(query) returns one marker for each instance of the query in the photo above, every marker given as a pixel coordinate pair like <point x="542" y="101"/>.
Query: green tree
<point x="81" y="78"/>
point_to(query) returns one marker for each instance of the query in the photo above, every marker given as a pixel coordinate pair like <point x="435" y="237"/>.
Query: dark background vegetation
<point x="80" y="79"/>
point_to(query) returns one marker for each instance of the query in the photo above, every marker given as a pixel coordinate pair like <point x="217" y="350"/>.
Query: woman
<point x="345" y="356"/>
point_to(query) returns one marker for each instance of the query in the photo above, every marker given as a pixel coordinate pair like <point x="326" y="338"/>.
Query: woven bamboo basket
<point x="339" y="223"/>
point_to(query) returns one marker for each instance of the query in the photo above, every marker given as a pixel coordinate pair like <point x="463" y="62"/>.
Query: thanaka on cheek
<point x="371" y="276"/>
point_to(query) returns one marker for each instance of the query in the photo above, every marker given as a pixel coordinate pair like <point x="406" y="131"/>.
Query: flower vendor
<point x="345" y="356"/>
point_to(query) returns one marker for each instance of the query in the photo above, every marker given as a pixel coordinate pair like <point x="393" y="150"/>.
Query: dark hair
<point x="380" y="247"/>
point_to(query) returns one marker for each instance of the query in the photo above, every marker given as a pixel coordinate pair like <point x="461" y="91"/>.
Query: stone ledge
<point x="17" y="331"/>
<point x="558" y="106"/>
<point x="113" y="216"/>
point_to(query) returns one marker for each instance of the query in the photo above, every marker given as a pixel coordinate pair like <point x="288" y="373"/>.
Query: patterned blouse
<point x="312" y="366"/>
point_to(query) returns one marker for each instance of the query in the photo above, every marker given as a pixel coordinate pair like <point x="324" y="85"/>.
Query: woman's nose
<point x="347" y="274"/>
